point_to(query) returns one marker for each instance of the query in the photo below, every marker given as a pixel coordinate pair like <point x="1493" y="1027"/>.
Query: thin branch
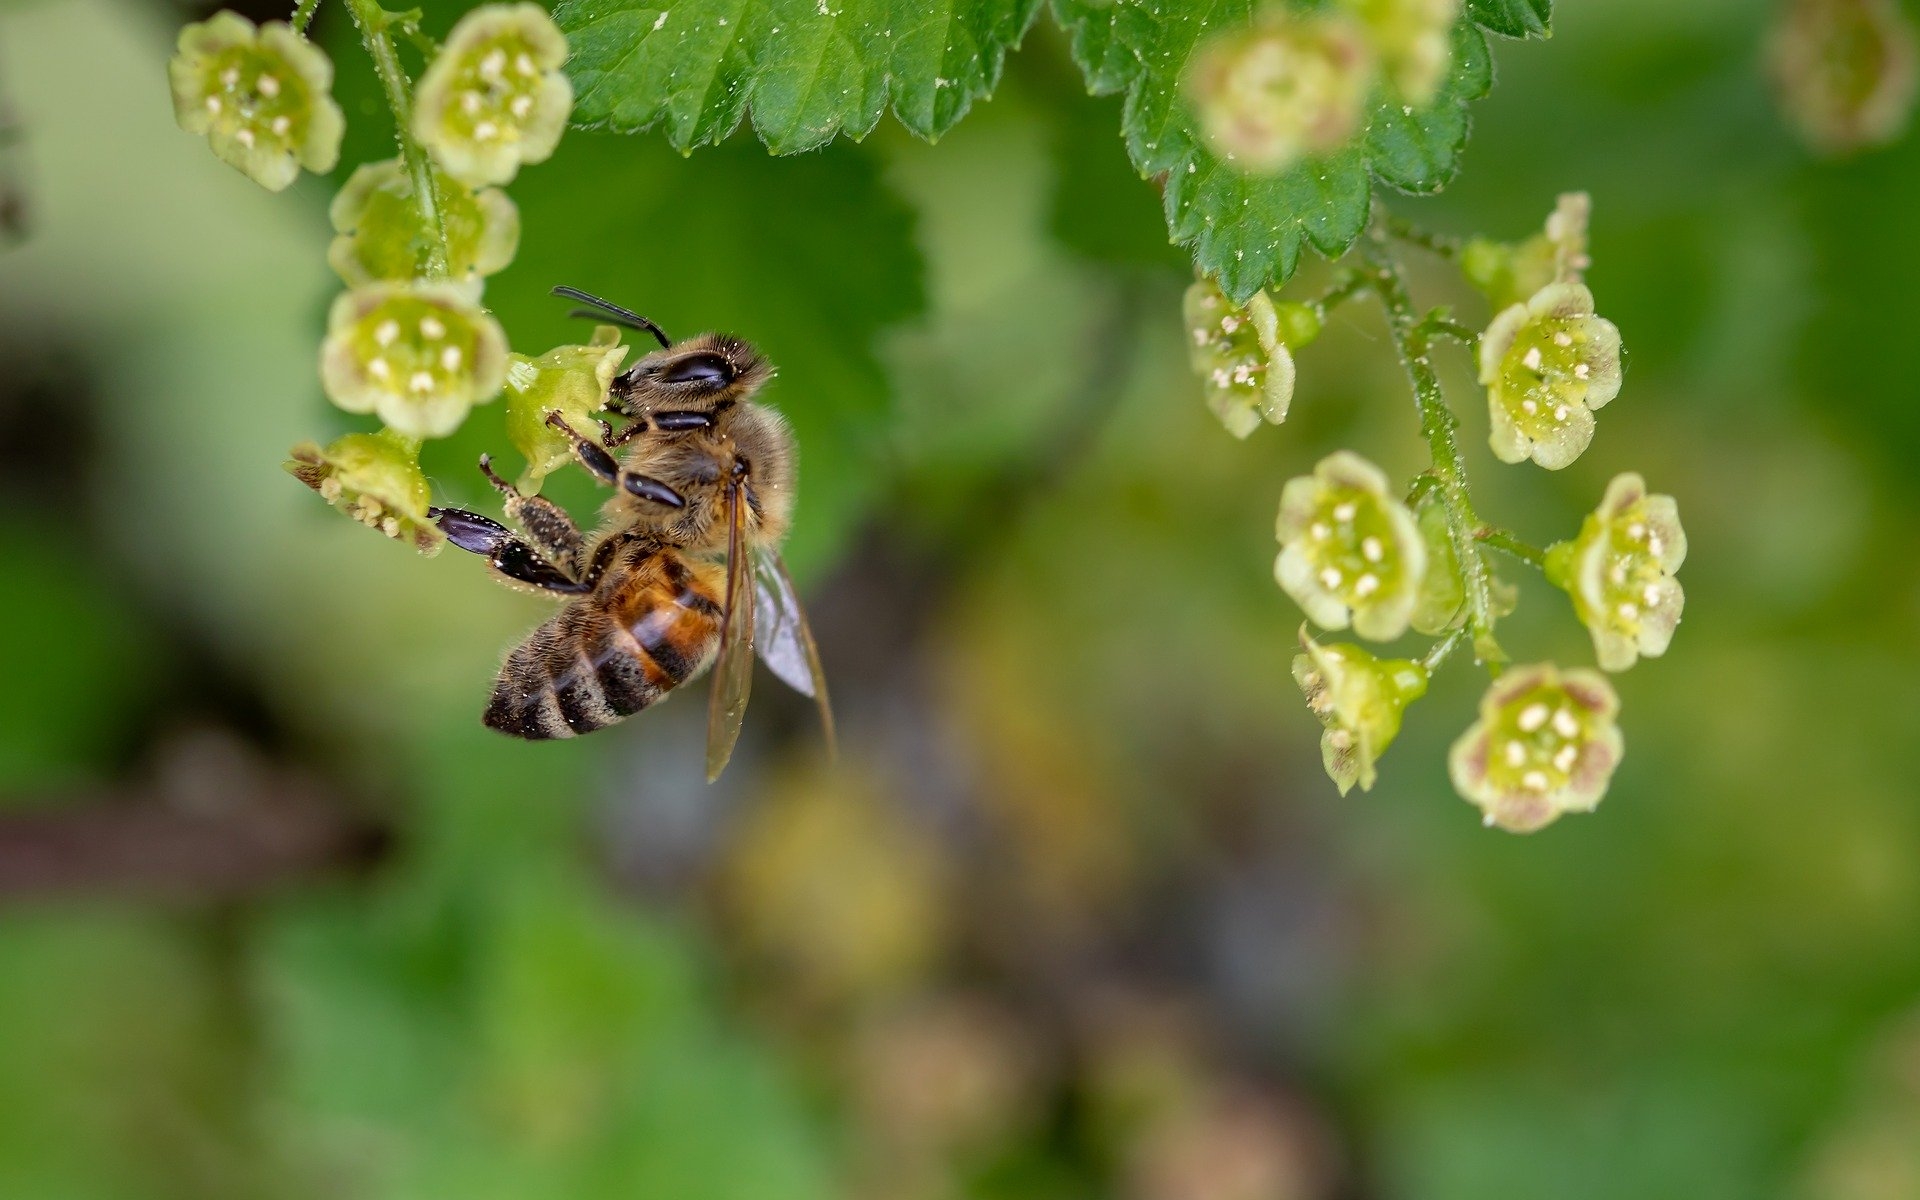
<point x="1401" y="229"/>
<point x="375" y="24"/>
<point x="1508" y="544"/>
<point x="303" y="16"/>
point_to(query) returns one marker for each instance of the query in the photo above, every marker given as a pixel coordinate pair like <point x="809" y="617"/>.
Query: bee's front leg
<point x="602" y="466"/>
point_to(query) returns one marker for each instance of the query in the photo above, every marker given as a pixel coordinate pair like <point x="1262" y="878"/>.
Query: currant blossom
<point x="375" y="478"/>
<point x="380" y="233"/>
<point x="1414" y="39"/>
<point x="1619" y="571"/>
<point x="420" y="355"/>
<point x="570" y="380"/>
<point x="1350" y="552"/>
<point x="1545" y="744"/>
<point x="495" y="97"/>
<point x="1294" y="85"/>
<point x="1844" y="71"/>
<point x="1546" y="365"/>
<point x="1359" y="698"/>
<point x="1244" y="355"/>
<point x="260" y="94"/>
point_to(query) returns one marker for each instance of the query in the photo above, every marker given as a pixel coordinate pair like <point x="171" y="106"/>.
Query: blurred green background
<point x="1076" y="913"/>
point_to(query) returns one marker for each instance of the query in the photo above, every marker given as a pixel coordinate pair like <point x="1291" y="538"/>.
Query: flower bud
<point x="261" y="95"/>
<point x="420" y="355"/>
<point x="1545" y="744"/>
<point x="1619" y="572"/>
<point x="382" y="235"/>
<point x="495" y="97"/>
<point x="374" y="478"/>
<point x="1546" y="365"/>
<point x="1291" y="86"/>
<point x="1844" y="71"/>
<point x="1350" y="552"/>
<point x="570" y="380"/>
<point x="1242" y="354"/>
<point x="1511" y="274"/>
<point x="1359" y="698"/>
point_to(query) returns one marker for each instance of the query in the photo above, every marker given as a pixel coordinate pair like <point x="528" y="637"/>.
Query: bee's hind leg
<point x="602" y="466"/>
<point x="510" y="557"/>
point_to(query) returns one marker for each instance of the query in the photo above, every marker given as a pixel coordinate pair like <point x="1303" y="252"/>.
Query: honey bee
<point x="684" y="573"/>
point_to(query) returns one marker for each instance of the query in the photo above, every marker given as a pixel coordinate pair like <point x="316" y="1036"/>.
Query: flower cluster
<point x="262" y="96"/>
<point x="416" y="236"/>
<point x="1244" y="353"/>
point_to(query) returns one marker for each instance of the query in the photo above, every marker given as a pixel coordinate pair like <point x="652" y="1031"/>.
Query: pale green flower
<point x="381" y="234"/>
<point x="1294" y="85"/>
<point x="1414" y="41"/>
<point x="495" y="97"/>
<point x="420" y="355"/>
<point x="1243" y="354"/>
<point x="375" y="478"/>
<point x="570" y="380"/>
<point x="1619" y="571"/>
<point x="1545" y="744"/>
<point x="1546" y="365"/>
<point x="260" y="95"/>
<point x="1350" y="552"/>
<point x="1359" y="698"/>
<point x="1844" y="71"/>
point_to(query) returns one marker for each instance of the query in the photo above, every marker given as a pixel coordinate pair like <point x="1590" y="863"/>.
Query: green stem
<point x="1439" y="426"/>
<point x="303" y="16"/>
<point x="1349" y="285"/>
<point x="1439" y="326"/>
<point x="1506" y="543"/>
<point x="1431" y="661"/>
<point x="1434" y="243"/>
<point x="374" y="23"/>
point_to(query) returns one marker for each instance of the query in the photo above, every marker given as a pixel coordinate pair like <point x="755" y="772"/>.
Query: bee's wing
<point x="733" y="671"/>
<point x="783" y="639"/>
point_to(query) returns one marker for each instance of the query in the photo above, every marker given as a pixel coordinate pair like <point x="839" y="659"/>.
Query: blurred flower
<point x="382" y="236"/>
<point x="1244" y="353"/>
<point x="495" y="97"/>
<point x="950" y="1075"/>
<point x="1414" y="39"/>
<point x="1236" y="1142"/>
<point x="1349" y="550"/>
<point x="1293" y="85"/>
<point x="1359" y="698"/>
<point x="1619" y="571"/>
<point x="374" y="478"/>
<point x="1546" y="365"/>
<point x="1844" y="71"/>
<point x="1545" y="744"/>
<point x="261" y="95"/>
<point x="834" y="892"/>
<point x="419" y="355"/>
<point x="1511" y="273"/>
<point x="570" y="380"/>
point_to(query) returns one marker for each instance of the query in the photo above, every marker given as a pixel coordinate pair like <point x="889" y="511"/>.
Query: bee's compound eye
<point x="698" y="368"/>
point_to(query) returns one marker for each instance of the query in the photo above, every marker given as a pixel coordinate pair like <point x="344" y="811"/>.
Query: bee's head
<point x="699" y="374"/>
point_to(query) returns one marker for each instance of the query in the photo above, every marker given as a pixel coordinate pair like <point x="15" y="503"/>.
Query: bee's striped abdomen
<point x="609" y="655"/>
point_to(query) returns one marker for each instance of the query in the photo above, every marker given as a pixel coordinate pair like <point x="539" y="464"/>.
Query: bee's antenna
<point x="607" y="310"/>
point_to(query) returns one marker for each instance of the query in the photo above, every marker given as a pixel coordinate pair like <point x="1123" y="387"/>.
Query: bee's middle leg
<point x="546" y="525"/>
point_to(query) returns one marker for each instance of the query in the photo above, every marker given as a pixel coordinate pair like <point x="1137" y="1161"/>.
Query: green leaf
<point x="804" y="70"/>
<point x="1513" y="18"/>
<point x="1248" y="229"/>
